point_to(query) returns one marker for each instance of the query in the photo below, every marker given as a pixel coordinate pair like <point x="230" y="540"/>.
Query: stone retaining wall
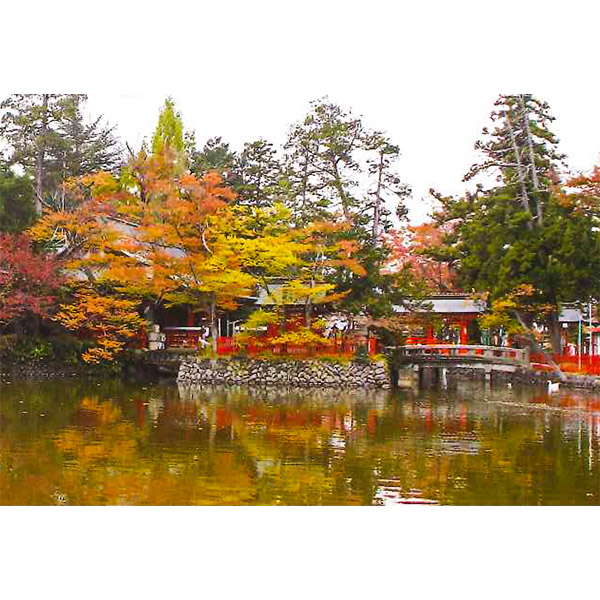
<point x="520" y="375"/>
<point x="296" y="373"/>
<point x="586" y="382"/>
<point x="36" y="371"/>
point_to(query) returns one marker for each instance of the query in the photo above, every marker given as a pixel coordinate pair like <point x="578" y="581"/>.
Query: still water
<point x="86" y="443"/>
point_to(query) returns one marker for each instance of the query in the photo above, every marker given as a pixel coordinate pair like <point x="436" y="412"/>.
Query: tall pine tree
<point x="47" y="137"/>
<point x="524" y="239"/>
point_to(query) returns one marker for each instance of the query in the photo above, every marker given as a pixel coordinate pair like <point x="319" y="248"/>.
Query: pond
<point x="78" y="442"/>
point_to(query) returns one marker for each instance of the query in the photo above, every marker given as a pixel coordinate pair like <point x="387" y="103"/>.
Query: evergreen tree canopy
<point x="526" y="233"/>
<point x="214" y="156"/>
<point x="48" y="138"/>
<point x="522" y="151"/>
<point x="338" y="170"/>
<point x="87" y="147"/>
<point x="258" y="174"/>
<point x="17" y="204"/>
<point x="168" y="136"/>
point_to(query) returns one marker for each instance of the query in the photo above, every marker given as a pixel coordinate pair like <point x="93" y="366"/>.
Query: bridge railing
<point x="492" y="353"/>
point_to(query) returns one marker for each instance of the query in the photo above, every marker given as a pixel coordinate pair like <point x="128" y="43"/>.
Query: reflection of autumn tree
<point x="218" y="446"/>
<point x="123" y="467"/>
<point x="107" y="460"/>
<point x="294" y="449"/>
<point x="290" y="447"/>
<point x="27" y="478"/>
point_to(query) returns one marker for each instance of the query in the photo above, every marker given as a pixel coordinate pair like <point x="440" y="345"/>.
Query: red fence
<point x="226" y="345"/>
<point x="191" y="337"/>
<point x="180" y="338"/>
<point x="589" y="365"/>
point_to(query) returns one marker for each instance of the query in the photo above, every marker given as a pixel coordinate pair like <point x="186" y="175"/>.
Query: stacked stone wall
<point x="292" y="373"/>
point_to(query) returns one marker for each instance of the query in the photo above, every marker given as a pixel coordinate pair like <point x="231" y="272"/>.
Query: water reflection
<point x="115" y="443"/>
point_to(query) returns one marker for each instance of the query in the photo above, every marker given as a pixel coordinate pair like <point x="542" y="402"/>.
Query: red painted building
<point x="451" y="313"/>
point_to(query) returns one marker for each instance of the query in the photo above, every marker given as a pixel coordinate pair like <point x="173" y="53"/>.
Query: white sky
<point x="427" y="73"/>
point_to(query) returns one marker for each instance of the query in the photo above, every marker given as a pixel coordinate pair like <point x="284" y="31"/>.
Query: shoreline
<point x="49" y="371"/>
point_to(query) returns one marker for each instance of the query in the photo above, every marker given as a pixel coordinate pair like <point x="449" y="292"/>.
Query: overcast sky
<point x="427" y="73"/>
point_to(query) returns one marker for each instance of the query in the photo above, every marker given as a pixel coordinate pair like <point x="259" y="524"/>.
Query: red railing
<point x="227" y="345"/>
<point x="492" y="353"/>
<point x="431" y="341"/>
<point x="586" y="364"/>
<point x="182" y="337"/>
<point x="190" y="337"/>
<point x="342" y="347"/>
<point x="421" y="341"/>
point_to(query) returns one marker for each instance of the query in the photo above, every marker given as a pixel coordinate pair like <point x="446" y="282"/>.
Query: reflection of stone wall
<point x="322" y="398"/>
<point x="301" y="373"/>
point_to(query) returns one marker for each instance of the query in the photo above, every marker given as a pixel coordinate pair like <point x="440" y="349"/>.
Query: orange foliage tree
<point x="153" y="234"/>
<point x="109" y="321"/>
<point x="169" y="237"/>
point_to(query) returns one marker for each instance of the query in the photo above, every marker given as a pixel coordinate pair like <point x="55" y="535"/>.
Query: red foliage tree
<point x="413" y="246"/>
<point x="585" y="192"/>
<point x="28" y="280"/>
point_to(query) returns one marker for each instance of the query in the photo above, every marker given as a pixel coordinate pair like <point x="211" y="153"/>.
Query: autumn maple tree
<point x="585" y="192"/>
<point x="185" y="249"/>
<point x="418" y="247"/>
<point x="28" y="281"/>
<point x="107" y="320"/>
<point x="157" y="234"/>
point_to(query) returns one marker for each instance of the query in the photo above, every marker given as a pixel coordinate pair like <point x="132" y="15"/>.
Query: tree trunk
<point x="213" y="325"/>
<point x="303" y="214"/>
<point x="377" y="207"/>
<point x="340" y="188"/>
<point x="308" y="308"/>
<point x="308" y="313"/>
<point x="522" y="184"/>
<point x="554" y="331"/>
<point x="41" y="152"/>
<point x="534" y="177"/>
<point x="538" y="348"/>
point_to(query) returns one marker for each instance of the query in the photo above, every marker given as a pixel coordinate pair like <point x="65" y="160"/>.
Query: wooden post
<point x="488" y="375"/>
<point x="430" y="337"/>
<point x="213" y="325"/>
<point x="416" y="374"/>
<point x="444" y="378"/>
<point x="143" y="337"/>
<point x="429" y="376"/>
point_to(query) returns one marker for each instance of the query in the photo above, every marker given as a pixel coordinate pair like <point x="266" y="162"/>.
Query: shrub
<point x="361" y="356"/>
<point x="25" y="349"/>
